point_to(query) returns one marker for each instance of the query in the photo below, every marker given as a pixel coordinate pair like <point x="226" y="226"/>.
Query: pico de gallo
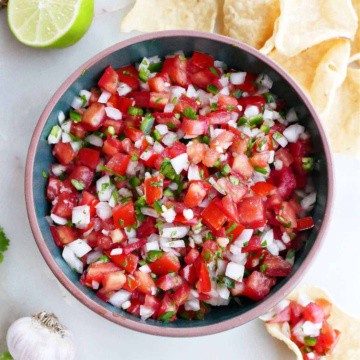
<point x="179" y="183"/>
<point x="305" y="322"/>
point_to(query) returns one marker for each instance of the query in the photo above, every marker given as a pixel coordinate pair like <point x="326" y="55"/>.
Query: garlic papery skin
<point x="40" y="337"/>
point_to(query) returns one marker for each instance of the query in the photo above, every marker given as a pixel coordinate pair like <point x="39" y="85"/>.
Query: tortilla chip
<point x="305" y="23"/>
<point x="329" y="75"/>
<point x="342" y="118"/>
<point x="355" y="46"/>
<point x="348" y="345"/>
<point x="250" y="21"/>
<point x="154" y="15"/>
<point x="304" y="66"/>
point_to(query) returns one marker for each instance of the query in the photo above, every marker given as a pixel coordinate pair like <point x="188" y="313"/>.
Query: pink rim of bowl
<point x="137" y="325"/>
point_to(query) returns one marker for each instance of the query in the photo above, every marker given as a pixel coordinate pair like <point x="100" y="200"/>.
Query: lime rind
<point x="50" y="23"/>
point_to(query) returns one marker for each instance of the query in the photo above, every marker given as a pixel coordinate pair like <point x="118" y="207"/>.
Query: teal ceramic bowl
<point x="235" y="54"/>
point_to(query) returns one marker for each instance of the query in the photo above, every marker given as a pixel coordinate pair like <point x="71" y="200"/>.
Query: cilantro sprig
<point x="4" y="243"/>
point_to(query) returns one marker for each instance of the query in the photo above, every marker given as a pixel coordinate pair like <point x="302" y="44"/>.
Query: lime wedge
<point x="50" y="23"/>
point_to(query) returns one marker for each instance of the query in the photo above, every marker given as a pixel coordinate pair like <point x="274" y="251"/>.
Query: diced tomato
<point x="181" y="294"/>
<point x="145" y="281"/>
<point x="239" y="145"/>
<point x="327" y="339"/>
<point x="257" y="285"/>
<point x="196" y="152"/>
<point x="64" y="205"/>
<point x="118" y="163"/>
<point x="112" y="146"/>
<point x="127" y="262"/>
<point x="253" y="245"/>
<point x="186" y="102"/>
<point x="89" y="157"/>
<point x="282" y="316"/>
<point x="123" y="103"/>
<point x="195" y="127"/>
<point x="137" y="245"/>
<point x="159" y="83"/>
<point x="251" y="212"/>
<point x="314" y="313"/>
<point x="176" y="69"/>
<point x="209" y="249"/>
<point x="97" y="271"/>
<point x="63" y="234"/>
<point x="93" y="117"/>
<point x="130" y="284"/>
<point x="124" y="215"/>
<point x="168" y="119"/>
<point x="158" y="100"/>
<point x="113" y="281"/>
<point x="95" y="94"/>
<point x="83" y="175"/>
<point x="260" y="159"/>
<point x="212" y="216"/>
<point x="153" y="188"/>
<point x="220" y="117"/>
<point x="285" y="181"/>
<point x="64" y="153"/>
<point x="257" y="100"/>
<point x="191" y="256"/>
<point x="262" y="188"/>
<point x="152" y="303"/>
<point x="284" y="156"/>
<point x="296" y="311"/>
<point x="109" y="80"/>
<point x="117" y="125"/>
<point x="305" y="223"/>
<point x="168" y="262"/>
<point x="204" y="78"/>
<point x="168" y="282"/>
<point x="142" y="98"/>
<point x="199" y="61"/>
<point x="146" y="228"/>
<point x="236" y="192"/>
<point x="236" y="232"/>
<point x="53" y="188"/>
<point x="189" y="274"/>
<point x="176" y="149"/>
<point x="276" y="266"/>
<point x="90" y="200"/>
<point x="226" y="102"/>
<point x="129" y="76"/>
<point x="287" y="216"/>
<point x="242" y="166"/>
<point x="229" y="208"/>
<point x="167" y="306"/>
<point x="211" y="158"/>
<point x="204" y="283"/>
<point x="196" y="193"/>
<point x="78" y="130"/>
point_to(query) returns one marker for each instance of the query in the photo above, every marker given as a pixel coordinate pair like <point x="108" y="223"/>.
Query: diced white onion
<point x="169" y="215"/>
<point x="58" y="169"/>
<point x="79" y="247"/>
<point x="162" y="129"/>
<point x="223" y="291"/>
<point x="251" y="111"/>
<point x="169" y="138"/>
<point x="104" y="188"/>
<point x="191" y="92"/>
<point x="176" y="244"/>
<point x="77" y="103"/>
<point x="85" y="93"/>
<point x="153" y="245"/>
<point x="285" y="238"/>
<point x="81" y="215"/>
<point x="237" y="78"/>
<point x="267" y="237"/>
<point x="192" y="305"/>
<point x="104" y="97"/>
<point x="94" y="140"/>
<point x="145" y="269"/>
<point x="61" y="117"/>
<point x="175" y="232"/>
<point x="180" y="163"/>
<point x="291" y="116"/>
<point x="146" y="155"/>
<point x="293" y="132"/>
<point x="123" y="89"/>
<point x="244" y="237"/>
<point x="235" y="271"/>
<point x="58" y="220"/>
<point x="278" y="164"/>
<point x="93" y="256"/>
<point x="145" y="312"/>
<point x="308" y="201"/>
<point x="119" y="298"/>
<point x="103" y="210"/>
<point x="193" y="173"/>
<point x="113" y="113"/>
<point x="188" y="214"/>
<point x="117" y="251"/>
<point x="280" y="139"/>
<point x="158" y="148"/>
<point x="71" y="259"/>
<point x="55" y="135"/>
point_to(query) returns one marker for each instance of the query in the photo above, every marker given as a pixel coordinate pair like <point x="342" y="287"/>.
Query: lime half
<point x="50" y="23"/>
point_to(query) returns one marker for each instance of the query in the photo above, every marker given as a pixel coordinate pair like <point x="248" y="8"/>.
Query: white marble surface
<point x="28" y="78"/>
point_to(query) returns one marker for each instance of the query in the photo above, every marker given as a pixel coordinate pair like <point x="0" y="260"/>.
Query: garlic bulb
<point x="40" y="337"/>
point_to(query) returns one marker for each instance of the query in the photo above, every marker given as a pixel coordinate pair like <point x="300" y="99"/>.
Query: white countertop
<point x="28" y="78"/>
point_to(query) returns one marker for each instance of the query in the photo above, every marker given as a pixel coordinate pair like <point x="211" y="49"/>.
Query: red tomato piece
<point x="196" y="193"/>
<point x="276" y="266"/>
<point x="181" y="294"/>
<point x="199" y="61"/>
<point x="83" y="175"/>
<point x="64" y="153"/>
<point x="257" y="100"/>
<point x="212" y="215"/>
<point x="176" y="149"/>
<point x="129" y="76"/>
<point x="257" y="285"/>
<point x="249" y="84"/>
<point x="64" y="205"/>
<point x="145" y="281"/>
<point x="158" y="100"/>
<point x="242" y="166"/>
<point x="168" y="282"/>
<point x="305" y="223"/>
<point x="204" y="283"/>
<point x="195" y="127"/>
<point x="89" y="157"/>
<point x="262" y="188"/>
<point x="112" y="146"/>
<point x="123" y="103"/>
<point x="113" y="281"/>
<point x="191" y="256"/>
<point x="153" y="188"/>
<point x="189" y="274"/>
<point x="327" y="339"/>
<point x="285" y="181"/>
<point x="90" y="200"/>
<point x="124" y="215"/>
<point x="127" y="262"/>
<point x="204" y="78"/>
<point x="176" y="69"/>
<point x="229" y="208"/>
<point x="131" y="283"/>
<point x="282" y="316"/>
<point x="314" y="313"/>
<point x="185" y="102"/>
<point x="78" y="130"/>
<point x="296" y="311"/>
<point x="63" y="234"/>
<point x="252" y="212"/>
<point x="117" y="125"/>
<point x="168" y="262"/>
<point x="96" y="272"/>
<point x="168" y="119"/>
<point x="93" y="117"/>
<point x="220" y="117"/>
<point x="118" y="163"/>
<point x="146" y="228"/>
<point x="128" y="249"/>
<point x="109" y="80"/>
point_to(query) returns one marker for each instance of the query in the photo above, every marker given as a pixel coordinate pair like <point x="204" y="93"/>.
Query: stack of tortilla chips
<point x="316" y="41"/>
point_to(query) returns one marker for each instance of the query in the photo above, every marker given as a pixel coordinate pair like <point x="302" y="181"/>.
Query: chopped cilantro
<point x="78" y="185"/>
<point x="190" y="113"/>
<point x="167" y="316"/>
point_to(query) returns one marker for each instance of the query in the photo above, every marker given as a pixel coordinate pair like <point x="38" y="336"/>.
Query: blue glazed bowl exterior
<point x="234" y="54"/>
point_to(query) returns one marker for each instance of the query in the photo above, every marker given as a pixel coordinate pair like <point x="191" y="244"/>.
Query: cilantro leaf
<point x="4" y="241"/>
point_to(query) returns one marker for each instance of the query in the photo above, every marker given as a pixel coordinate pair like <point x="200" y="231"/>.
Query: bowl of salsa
<point x="179" y="183"/>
